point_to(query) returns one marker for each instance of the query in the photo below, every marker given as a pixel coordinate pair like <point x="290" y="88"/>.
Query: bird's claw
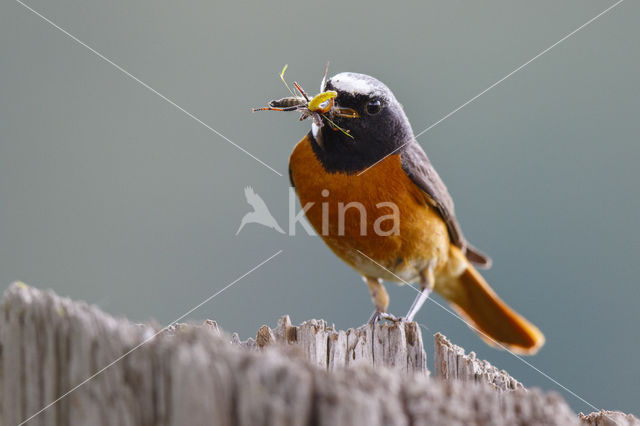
<point x="377" y="316"/>
<point x="391" y="317"/>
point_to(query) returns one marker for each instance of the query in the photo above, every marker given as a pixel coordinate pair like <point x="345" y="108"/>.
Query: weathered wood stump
<point x="452" y="363"/>
<point x="397" y="346"/>
<point x="68" y="363"/>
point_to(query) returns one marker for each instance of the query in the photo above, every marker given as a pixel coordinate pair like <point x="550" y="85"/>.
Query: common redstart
<point x="378" y="203"/>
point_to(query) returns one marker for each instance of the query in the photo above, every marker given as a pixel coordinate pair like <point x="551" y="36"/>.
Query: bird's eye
<point x="373" y="107"/>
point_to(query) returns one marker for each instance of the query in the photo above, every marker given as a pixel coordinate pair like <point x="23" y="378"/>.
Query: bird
<point x="260" y="213"/>
<point x="378" y="162"/>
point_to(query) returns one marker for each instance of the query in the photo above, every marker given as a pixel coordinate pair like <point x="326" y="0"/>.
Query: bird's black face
<point x="380" y="128"/>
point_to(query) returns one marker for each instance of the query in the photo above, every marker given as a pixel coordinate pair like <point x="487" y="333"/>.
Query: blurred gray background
<point x="110" y="194"/>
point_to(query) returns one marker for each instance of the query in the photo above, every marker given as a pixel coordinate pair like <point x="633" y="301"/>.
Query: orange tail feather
<point x="494" y="321"/>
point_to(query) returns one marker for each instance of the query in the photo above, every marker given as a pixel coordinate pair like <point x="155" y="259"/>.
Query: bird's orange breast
<point x="354" y="213"/>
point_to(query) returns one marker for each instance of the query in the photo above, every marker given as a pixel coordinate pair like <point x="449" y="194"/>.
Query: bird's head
<point x="372" y="115"/>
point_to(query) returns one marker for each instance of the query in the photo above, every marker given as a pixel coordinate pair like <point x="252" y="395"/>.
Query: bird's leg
<point x="380" y="299"/>
<point x="427" y="281"/>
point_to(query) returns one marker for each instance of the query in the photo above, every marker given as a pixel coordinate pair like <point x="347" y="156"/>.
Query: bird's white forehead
<point x="348" y="82"/>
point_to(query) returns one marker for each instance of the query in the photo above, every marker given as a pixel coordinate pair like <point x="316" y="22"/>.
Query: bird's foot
<point x="377" y="316"/>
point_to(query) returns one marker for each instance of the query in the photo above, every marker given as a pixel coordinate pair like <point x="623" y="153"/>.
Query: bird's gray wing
<point x="417" y="166"/>
<point x="293" y="184"/>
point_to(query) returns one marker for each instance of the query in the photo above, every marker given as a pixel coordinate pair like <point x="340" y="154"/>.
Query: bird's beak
<point x="345" y="112"/>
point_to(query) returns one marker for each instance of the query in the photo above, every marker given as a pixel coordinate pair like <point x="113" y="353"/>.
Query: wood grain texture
<point x="397" y="346"/>
<point x="311" y="374"/>
<point x="609" y="418"/>
<point x="452" y="363"/>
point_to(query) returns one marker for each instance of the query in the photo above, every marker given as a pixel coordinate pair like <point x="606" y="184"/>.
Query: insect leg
<point x="317" y="118"/>
<point x="301" y="90"/>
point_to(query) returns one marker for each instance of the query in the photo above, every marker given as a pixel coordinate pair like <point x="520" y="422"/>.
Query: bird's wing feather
<point x="417" y="166"/>
<point x="293" y="184"/>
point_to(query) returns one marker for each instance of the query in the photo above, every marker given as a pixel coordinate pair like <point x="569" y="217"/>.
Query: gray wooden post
<point x="88" y="368"/>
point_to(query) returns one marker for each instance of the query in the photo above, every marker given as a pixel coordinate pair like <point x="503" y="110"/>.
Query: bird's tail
<point x="495" y="322"/>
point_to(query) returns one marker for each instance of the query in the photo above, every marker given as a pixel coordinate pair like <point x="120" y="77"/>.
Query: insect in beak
<point x="320" y="107"/>
<point x="322" y="102"/>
